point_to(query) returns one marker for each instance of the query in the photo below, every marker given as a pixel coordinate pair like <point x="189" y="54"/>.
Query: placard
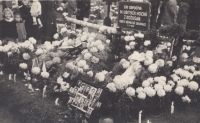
<point x="85" y="97"/>
<point x="135" y="15"/>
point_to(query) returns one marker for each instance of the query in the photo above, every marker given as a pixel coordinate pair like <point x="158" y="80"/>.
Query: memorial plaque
<point x="135" y="15"/>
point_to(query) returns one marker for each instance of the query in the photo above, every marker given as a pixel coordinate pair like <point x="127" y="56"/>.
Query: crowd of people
<point x="27" y="18"/>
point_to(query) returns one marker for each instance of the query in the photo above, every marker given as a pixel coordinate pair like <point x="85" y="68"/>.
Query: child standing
<point x="8" y="25"/>
<point x="21" y="31"/>
<point x="36" y="11"/>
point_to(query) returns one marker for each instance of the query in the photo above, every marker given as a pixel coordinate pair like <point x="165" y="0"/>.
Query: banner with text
<point x="134" y="15"/>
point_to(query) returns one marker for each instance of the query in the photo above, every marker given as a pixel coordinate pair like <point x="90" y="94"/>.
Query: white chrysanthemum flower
<point x="32" y="40"/>
<point x="150" y="91"/>
<point x="121" y="82"/>
<point x="122" y="61"/>
<point x="132" y="45"/>
<point x="147" y="43"/>
<point x="149" y="54"/>
<point x="160" y="62"/>
<point x="171" y="83"/>
<point x="184" y="56"/>
<point x="127" y="38"/>
<point x="90" y="73"/>
<point x="108" y="41"/>
<point x="175" y="77"/>
<point x="161" y="93"/>
<point x="186" y="99"/>
<point x="56" y="60"/>
<point x="162" y="82"/>
<point x="81" y="63"/>
<point x="193" y="86"/>
<point x="196" y="73"/>
<point x="142" y="95"/>
<point x="158" y="87"/>
<point x="39" y="51"/>
<point x="148" y="61"/>
<point x="179" y="90"/>
<point x="86" y="67"/>
<point x="132" y="38"/>
<point x="95" y="59"/>
<point x="94" y="50"/>
<point x="36" y="70"/>
<point x="130" y="91"/>
<point x="101" y="47"/>
<point x="192" y="68"/>
<point x="87" y="56"/>
<point x="23" y="65"/>
<point x="151" y="80"/>
<point x="26" y="56"/>
<point x="56" y="36"/>
<point x="183" y="82"/>
<point x="145" y="83"/>
<point x="111" y="87"/>
<point x="100" y="76"/>
<point x="66" y="74"/>
<point x="153" y="68"/>
<point x="167" y="88"/>
<point x="128" y="48"/>
<point x="186" y="67"/>
<point x="126" y="64"/>
<point x="45" y="74"/>
<point x="139" y="89"/>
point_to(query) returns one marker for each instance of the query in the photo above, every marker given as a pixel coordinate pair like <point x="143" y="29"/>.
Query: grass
<point x="28" y="107"/>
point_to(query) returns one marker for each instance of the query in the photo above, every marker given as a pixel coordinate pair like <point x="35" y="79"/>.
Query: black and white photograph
<point x="99" y="61"/>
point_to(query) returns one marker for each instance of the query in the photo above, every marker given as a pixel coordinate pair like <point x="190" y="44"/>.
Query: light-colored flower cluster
<point x="101" y="76"/>
<point x="26" y="56"/>
<point x="111" y="87"/>
<point x="186" y="99"/>
<point x="184" y="73"/>
<point x="36" y="70"/>
<point x="39" y="51"/>
<point x="66" y="75"/>
<point x="23" y="65"/>
<point x="45" y="75"/>
<point x="64" y="85"/>
<point x="196" y="59"/>
<point x="130" y="91"/>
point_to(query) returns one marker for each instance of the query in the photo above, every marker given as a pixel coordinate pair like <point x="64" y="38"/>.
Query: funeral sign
<point x="134" y="15"/>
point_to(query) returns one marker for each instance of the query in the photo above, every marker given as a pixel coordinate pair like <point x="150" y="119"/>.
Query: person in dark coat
<point x="83" y="10"/>
<point x="193" y="22"/>
<point x="31" y="30"/>
<point x="48" y="19"/>
<point x="8" y="25"/>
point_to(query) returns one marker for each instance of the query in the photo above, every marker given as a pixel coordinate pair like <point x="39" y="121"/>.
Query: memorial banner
<point x="135" y="15"/>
